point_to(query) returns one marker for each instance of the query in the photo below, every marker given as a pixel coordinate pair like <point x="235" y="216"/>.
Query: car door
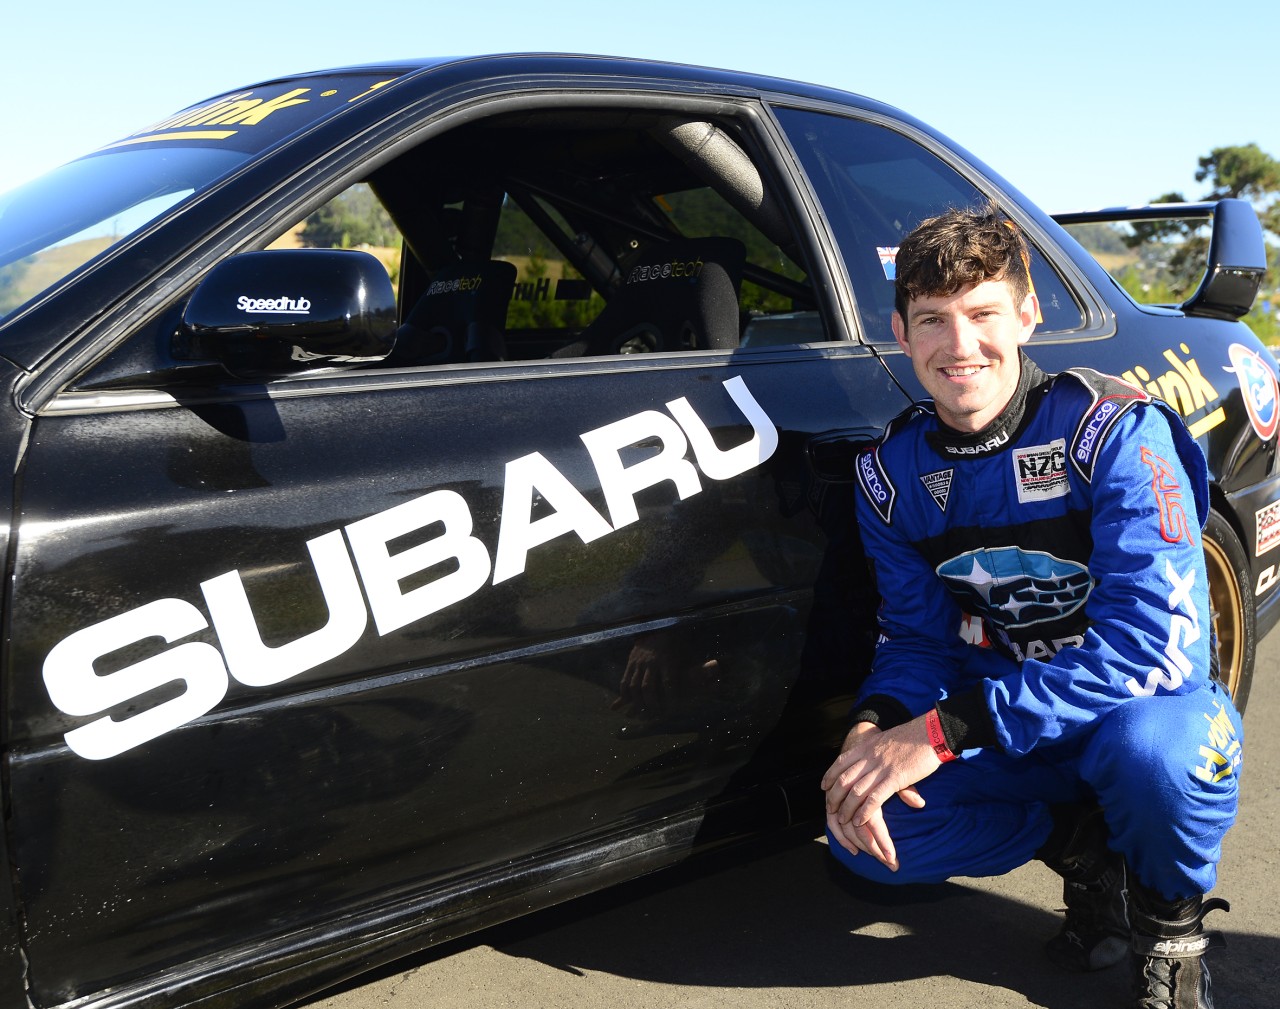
<point x="315" y="659"/>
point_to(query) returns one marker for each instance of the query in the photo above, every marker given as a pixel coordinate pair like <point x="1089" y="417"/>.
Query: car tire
<point x="1231" y="603"/>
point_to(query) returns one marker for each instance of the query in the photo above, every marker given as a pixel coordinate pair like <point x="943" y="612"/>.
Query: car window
<point x="553" y="302"/>
<point x="876" y="185"/>
<point x="354" y="219"/>
<point x="548" y="236"/>
<point x="1160" y="260"/>
<point x="550" y="300"/>
<point x="58" y="223"/>
<point x="1156" y="261"/>
<point x="591" y="234"/>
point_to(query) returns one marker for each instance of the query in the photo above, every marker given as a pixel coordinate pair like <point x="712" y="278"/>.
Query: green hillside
<point x="22" y="280"/>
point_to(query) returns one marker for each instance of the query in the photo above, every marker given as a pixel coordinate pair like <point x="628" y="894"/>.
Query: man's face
<point x="964" y="348"/>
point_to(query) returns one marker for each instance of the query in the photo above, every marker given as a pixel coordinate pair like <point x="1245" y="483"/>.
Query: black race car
<point x="429" y="497"/>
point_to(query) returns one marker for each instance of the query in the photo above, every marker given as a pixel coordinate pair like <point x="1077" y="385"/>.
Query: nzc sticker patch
<point x="1041" y="471"/>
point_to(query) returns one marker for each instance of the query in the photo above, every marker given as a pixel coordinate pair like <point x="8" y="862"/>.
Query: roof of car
<point x="499" y="64"/>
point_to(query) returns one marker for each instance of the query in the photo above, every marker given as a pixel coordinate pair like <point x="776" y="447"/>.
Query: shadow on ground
<point x="785" y="916"/>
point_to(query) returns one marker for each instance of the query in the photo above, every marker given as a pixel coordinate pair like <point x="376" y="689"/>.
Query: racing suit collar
<point x="1001" y="432"/>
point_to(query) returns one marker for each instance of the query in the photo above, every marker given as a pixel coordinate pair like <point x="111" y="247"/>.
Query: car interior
<point x="584" y="234"/>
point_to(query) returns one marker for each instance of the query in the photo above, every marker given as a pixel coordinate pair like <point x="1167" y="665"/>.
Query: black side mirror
<point x="284" y="311"/>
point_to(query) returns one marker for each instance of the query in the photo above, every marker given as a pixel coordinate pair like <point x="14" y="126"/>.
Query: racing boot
<point x="1169" y="943"/>
<point x="1095" y="934"/>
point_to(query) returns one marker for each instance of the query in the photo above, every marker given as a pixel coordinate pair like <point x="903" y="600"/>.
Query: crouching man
<point x="1078" y="721"/>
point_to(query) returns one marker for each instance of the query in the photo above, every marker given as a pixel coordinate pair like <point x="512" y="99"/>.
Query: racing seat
<point x="461" y="317"/>
<point x="679" y="295"/>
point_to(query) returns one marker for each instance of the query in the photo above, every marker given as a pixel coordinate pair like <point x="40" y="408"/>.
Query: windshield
<point x="59" y="222"/>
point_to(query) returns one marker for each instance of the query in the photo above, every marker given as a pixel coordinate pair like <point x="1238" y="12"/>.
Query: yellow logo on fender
<point x="1183" y="387"/>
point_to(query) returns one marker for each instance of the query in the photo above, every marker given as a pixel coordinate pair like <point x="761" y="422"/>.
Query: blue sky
<point x="1079" y="105"/>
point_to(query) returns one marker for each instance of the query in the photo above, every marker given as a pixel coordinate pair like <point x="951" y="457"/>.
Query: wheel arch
<point x="1240" y="634"/>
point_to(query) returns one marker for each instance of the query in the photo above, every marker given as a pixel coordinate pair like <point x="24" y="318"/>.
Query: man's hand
<point x="874" y="766"/>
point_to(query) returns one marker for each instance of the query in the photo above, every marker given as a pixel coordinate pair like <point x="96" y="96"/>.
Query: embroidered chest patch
<point x="938" y="484"/>
<point x="1041" y="471"/>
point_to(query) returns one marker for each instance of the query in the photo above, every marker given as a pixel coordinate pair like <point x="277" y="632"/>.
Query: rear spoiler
<point x="1237" y="255"/>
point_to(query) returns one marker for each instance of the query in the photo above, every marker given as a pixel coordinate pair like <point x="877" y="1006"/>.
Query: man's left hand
<point x="875" y="767"/>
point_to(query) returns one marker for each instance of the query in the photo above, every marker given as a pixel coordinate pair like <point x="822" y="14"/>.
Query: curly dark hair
<point x="959" y="248"/>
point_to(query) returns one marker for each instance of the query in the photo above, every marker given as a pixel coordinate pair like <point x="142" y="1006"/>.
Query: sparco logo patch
<point x="1093" y="427"/>
<point x="939" y="486"/>
<point x="876" y="485"/>
<point x="1112" y="399"/>
<point x="1041" y="471"/>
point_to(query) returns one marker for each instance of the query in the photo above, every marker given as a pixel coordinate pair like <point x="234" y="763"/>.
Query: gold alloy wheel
<point x="1227" y="609"/>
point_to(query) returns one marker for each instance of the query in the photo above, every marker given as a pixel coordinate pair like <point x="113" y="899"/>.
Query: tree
<point x="1246" y="172"/>
<point x="1171" y="254"/>
<point x="1243" y="172"/>
<point x="352" y="218"/>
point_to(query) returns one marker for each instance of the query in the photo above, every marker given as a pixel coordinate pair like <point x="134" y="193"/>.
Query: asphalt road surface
<point x="772" y="925"/>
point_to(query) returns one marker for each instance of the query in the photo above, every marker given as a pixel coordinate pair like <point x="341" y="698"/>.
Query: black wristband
<point x="880" y="710"/>
<point x="966" y="722"/>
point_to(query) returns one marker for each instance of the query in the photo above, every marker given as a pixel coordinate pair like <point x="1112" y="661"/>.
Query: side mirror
<point x="284" y="311"/>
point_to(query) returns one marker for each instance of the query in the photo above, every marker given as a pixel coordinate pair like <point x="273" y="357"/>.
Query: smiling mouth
<point x="963" y="372"/>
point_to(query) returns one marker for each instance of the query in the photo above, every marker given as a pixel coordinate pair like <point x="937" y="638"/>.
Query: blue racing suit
<point x="1044" y="587"/>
